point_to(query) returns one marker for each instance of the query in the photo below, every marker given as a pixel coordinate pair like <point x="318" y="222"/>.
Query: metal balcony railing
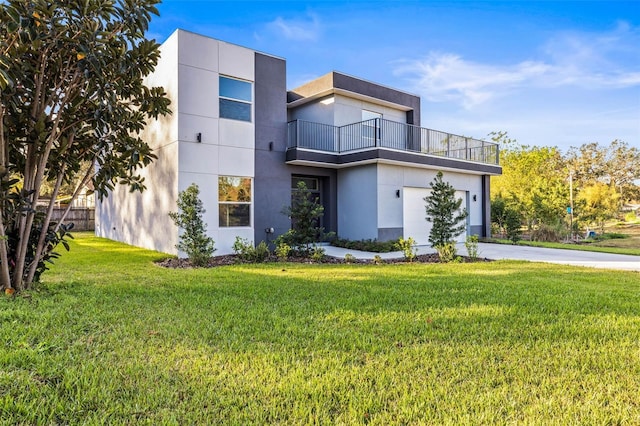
<point x="381" y="133"/>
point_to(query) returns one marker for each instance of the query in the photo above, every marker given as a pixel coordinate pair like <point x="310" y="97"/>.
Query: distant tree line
<point x="538" y="185"/>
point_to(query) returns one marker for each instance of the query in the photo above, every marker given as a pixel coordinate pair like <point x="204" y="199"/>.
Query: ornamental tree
<point x="72" y="92"/>
<point x="193" y="240"/>
<point x="443" y="211"/>
<point x="305" y="212"/>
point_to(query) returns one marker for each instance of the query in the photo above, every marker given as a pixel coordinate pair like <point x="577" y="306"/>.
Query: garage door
<point x="414" y="219"/>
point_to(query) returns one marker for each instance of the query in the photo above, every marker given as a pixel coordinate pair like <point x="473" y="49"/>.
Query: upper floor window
<point x="236" y="97"/>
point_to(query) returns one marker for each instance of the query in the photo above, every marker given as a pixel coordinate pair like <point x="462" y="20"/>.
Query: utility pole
<point x="571" y="203"/>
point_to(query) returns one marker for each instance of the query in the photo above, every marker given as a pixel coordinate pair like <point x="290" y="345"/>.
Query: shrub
<point x="377" y="259"/>
<point x="317" y="254"/>
<point x="194" y="240"/>
<point x="546" y="233"/>
<point x="245" y="250"/>
<point x="447" y="252"/>
<point x="282" y="251"/>
<point x="610" y="236"/>
<point x="262" y="252"/>
<point x="631" y="217"/>
<point x="374" y="246"/>
<point x="349" y="258"/>
<point x="498" y="216"/>
<point x="512" y="225"/>
<point x="407" y="247"/>
<point x="471" y="244"/>
<point x="242" y="248"/>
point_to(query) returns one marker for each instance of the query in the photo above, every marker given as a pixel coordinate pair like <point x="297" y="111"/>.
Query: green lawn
<point x="628" y="245"/>
<point x="111" y="338"/>
<point x="622" y="246"/>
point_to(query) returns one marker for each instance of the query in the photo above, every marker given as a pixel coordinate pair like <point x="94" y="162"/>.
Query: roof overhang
<point x="353" y="95"/>
<point x="306" y="157"/>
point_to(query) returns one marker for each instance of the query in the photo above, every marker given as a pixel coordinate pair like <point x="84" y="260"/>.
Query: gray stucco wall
<point x="336" y="80"/>
<point x="358" y="203"/>
<point x="271" y="139"/>
<point x="486" y="207"/>
<point x="352" y="84"/>
<point x="272" y="182"/>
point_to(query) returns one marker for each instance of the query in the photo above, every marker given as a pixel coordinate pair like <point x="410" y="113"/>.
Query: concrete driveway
<point x="565" y="257"/>
<point x="533" y="254"/>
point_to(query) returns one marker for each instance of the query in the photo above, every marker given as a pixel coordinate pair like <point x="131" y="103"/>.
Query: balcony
<point x="382" y="138"/>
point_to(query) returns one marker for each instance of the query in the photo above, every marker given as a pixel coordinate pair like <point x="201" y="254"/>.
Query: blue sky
<point x="549" y="73"/>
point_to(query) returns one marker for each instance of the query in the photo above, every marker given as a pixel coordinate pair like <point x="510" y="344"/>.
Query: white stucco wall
<point x="227" y="146"/>
<point x="392" y="178"/>
<point x="189" y="70"/>
<point x="141" y="219"/>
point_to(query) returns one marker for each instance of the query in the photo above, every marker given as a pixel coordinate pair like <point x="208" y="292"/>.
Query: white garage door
<point x="414" y="216"/>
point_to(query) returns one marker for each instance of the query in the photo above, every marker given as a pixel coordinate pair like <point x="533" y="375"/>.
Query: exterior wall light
<point x="475" y="197"/>
<point x="397" y="193"/>
<point x="199" y="137"/>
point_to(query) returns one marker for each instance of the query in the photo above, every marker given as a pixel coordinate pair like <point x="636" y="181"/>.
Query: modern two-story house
<point x="246" y="141"/>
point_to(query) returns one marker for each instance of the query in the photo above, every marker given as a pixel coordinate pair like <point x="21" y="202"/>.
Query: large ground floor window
<point x="234" y="201"/>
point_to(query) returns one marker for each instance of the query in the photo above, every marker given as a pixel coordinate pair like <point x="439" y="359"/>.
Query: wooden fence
<point x="83" y="218"/>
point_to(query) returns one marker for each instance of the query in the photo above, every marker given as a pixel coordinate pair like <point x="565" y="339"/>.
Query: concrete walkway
<point x="506" y="251"/>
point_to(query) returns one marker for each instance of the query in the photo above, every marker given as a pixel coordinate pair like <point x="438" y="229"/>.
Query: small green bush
<point x="282" y="251"/>
<point x="407" y="247"/>
<point x="512" y="225"/>
<point x="377" y="259"/>
<point x="447" y="252"/>
<point x="373" y="246"/>
<point x="262" y="252"/>
<point x="245" y="250"/>
<point x="471" y="244"/>
<point x="349" y="258"/>
<point x="610" y="236"/>
<point x="317" y="254"/>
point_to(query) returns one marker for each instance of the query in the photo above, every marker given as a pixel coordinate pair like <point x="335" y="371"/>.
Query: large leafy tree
<point x="598" y="203"/>
<point x="617" y="165"/>
<point x="72" y="92"/>
<point x="534" y="182"/>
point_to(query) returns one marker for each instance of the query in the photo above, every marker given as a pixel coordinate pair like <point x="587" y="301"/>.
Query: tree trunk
<point x="45" y="226"/>
<point x="5" y="275"/>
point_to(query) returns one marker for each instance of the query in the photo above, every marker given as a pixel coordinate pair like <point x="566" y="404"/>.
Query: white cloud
<point x="592" y="61"/>
<point x="306" y="29"/>
<point x="448" y="77"/>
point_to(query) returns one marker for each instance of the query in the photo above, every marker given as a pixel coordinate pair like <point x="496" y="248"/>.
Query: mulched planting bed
<point x="232" y="259"/>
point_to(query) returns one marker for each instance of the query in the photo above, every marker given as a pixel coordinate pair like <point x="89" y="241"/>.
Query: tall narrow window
<point x="234" y="201"/>
<point x="235" y="99"/>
